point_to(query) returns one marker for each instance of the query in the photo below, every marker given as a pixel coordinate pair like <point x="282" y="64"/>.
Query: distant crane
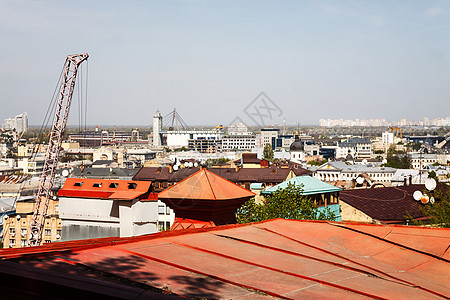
<point x="397" y="130"/>
<point x="47" y="177"/>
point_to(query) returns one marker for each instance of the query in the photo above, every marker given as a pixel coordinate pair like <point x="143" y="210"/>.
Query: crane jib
<point x="47" y="177"/>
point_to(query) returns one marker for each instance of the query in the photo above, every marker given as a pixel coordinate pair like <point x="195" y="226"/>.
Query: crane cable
<point x="50" y="111"/>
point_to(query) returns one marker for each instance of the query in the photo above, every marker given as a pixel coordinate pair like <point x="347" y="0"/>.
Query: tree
<point x="317" y="162"/>
<point x="287" y="203"/>
<point x="268" y="152"/>
<point x="216" y="161"/>
<point x="438" y="212"/>
<point x="397" y="159"/>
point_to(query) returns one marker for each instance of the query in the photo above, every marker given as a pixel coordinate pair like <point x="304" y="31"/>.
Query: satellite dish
<point x="430" y="184"/>
<point x="186" y="164"/>
<point x="175" y="168"/>
<point x="417" y="195"/>
<point x="196" y="164"/>
<point x="364" y="161"/>
<point x="190" y="164"/>
<point x="432" y="200"/>
<point x="65" y="173"/>
<point x="359" y="180"/>
<point x="425" y="199"/>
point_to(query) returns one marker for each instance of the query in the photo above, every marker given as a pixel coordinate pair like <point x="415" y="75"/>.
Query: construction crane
<point x="397" y="130"/>
<point x="47" y="177"/>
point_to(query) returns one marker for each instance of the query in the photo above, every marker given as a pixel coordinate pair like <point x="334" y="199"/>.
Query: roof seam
<point x="199" y="272"/>
<point x="284" y="272"/>
<point x="357" y="263"/>
<point x="391" y="242"/>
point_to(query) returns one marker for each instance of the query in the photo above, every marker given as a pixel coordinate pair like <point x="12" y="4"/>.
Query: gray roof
<point x="352" y="142"/>
<point x="104" y="173"/>
<point x="343" y="167"/>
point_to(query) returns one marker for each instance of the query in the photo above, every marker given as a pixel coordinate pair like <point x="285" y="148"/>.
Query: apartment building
<point x="356" y="147"/>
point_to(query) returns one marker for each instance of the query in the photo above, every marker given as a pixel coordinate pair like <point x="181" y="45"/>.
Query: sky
<point x="220" y="61"/>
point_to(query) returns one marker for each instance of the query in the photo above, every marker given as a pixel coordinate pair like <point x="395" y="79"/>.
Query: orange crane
<point x="47" y="178"/>
<point x="397" y="130"/>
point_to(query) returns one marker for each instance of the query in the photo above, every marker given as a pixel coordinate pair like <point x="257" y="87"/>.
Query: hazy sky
<point x="210" y="59"/>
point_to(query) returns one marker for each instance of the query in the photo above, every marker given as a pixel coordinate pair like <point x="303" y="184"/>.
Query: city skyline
<point x="211" y="60"/>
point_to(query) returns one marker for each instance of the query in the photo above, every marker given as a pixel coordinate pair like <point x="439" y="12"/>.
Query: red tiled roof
<point x="282" y="258"/>
<point x="102" y="188"/>
<point x="386" y="204"/>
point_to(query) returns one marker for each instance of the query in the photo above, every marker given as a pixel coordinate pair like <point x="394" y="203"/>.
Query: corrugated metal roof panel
<point x="281" y="258"/>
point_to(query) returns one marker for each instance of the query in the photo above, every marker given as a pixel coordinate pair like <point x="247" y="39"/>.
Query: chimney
<point x="410" y="179"/>
<point x="405" y="181"/>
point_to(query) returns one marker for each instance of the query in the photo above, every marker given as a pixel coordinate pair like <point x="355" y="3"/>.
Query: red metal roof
<point x="104" y="189"/>
<point x="277" y="258"/>
<point x="205" y="185"/>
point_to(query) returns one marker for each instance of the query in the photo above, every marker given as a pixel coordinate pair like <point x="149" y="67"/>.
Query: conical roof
<point x="205" y="185"/>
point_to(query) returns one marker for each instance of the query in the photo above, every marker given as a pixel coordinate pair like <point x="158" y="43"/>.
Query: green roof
<point x="310" y="185"/>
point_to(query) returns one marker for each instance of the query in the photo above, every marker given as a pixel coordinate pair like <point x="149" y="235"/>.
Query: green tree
<point x="397" y="159"/>
<point x="317" y="162"/>
<point x="414" y="146"/>
<point x="268" y="152"/>
<point x="287" y="203"/>
<point x="216" y="161"/>
<point x="439" y="212"/>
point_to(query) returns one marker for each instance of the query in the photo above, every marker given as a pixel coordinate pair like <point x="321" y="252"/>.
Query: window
<point x="132" y="186"/>
<point x="12" y="242"/>
<point x="161" y="210"/>
<point x="48" y="232"/>
<point x="58" y="231"/>
<point x="12" y="231"/>
<point x="23" y="243"/>
<point x="23" y="232"/>
<point x="167" y="210"/>
<point x="160" y="226"/>
<point x="97" y="185"/>
<point x="78" y="184"/>
<point x="56" y="208"/>
<point x="47" y="241"/>
<point x="113" y="185"/>
<point x="167" y="225"/>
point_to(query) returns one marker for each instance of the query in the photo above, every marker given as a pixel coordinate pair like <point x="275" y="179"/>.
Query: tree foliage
<point x="287" y="203"/>
<point x="317" y="162"/>
<point x="268" y="152"/>
<point x="397" y="159"/>
<point x="439" y="212"/>
<point x="216" y="161"/>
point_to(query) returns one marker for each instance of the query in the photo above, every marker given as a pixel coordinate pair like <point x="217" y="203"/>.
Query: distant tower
<point x="157" y="125"/>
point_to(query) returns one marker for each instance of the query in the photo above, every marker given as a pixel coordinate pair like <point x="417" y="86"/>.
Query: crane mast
<point x="47" y="177"/>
